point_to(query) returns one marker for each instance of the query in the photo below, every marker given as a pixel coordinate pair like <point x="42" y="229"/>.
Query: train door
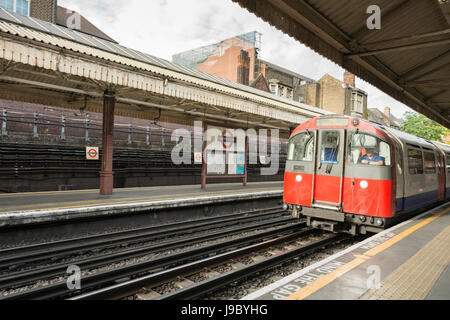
<point x="400" y="177"/>
<point x="329" y="169"/>
<point x="441" y="174"/>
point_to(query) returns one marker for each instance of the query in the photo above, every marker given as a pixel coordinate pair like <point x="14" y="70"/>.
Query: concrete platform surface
<point x="409" y="261"/>
<point x="42" y="205"/>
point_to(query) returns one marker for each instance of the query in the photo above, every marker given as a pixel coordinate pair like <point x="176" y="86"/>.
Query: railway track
<point x="171" y="277"/>
<point x="271" y="220"/>
<point x="14" y="258"/>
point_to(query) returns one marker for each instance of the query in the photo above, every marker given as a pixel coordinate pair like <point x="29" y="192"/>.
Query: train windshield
<point x="301" y="147"/>
<point x="366" y="149"/>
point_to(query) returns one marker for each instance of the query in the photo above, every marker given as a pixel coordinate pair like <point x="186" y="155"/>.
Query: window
<point x="415" y="161"/>
<point x="430" y="164"/>
<point x="289" y="93"/>
<point x="301" y="99"/>
<point x="329" y="152"/>
<point x="301" y="147"/>
<point x="357" y="102"/>
<point x="273" y="88"/>
<point x="7" y="4"/>
<point x="19" y="6"/>
<point x="366" y="149"/>
<point x="22" y="7"/>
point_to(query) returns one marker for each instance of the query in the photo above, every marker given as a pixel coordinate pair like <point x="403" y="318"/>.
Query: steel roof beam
<point x="427" y="73"/>
<point x="401" y="48"/>
<point x="413" y="71"/>
<point x="405" y="39"/>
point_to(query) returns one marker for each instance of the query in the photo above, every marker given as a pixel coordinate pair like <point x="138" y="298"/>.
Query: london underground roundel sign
<point x="92" y="153"/>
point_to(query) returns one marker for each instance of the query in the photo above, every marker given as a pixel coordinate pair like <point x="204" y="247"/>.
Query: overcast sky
<point x="165" y="27"/>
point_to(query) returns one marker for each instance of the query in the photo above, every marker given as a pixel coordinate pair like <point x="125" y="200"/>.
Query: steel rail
<point x="131" y="287"/>
<point x="15" y="280"/>
<point x="109" y="277"/>
<point x="40" y="252"/>
<point x="199" y="289"/>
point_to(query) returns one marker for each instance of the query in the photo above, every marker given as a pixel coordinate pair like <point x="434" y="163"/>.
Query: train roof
<point x="443" y="146"/>
<point x="403" y="136"/>
<point x="409" y="138"/>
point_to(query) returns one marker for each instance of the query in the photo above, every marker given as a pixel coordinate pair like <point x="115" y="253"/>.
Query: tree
<point x="421" y="126"/>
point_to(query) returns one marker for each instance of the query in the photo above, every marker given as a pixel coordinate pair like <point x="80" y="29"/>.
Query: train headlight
<point x="362" y="218"/>
<point x="299" y="178"/>
<point x="379" y="222"/>
<point x="364" y="184"/>
<point x="285" y="206"/>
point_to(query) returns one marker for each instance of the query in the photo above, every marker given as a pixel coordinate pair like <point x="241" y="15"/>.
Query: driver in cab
<point x="371" y="158"/>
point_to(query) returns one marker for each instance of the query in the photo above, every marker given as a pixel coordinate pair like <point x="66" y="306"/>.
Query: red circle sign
<point x="92" y="153"/>
<point x="227" y="144"/>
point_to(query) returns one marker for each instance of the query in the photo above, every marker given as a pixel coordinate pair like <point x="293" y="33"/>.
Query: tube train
<point x="351" y="175"/>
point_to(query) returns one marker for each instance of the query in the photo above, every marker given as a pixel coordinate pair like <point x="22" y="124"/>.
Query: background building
<point x="385" y="118"/>
<point x="337" y="96"/>
<point x="236" y="59"/>
<point x="48" y="10"/>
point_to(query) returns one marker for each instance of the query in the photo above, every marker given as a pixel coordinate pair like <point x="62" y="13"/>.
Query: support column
<point x="106" y="173"/>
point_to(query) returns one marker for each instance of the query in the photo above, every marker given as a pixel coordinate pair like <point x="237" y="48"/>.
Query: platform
<point x="23" y="208"/>
<point x="406" y="262"/>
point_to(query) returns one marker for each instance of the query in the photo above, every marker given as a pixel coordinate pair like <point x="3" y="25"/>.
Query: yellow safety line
<point x="139" y="200"/>
<point x="359" y="259"/>
<point x="120" y="189"/>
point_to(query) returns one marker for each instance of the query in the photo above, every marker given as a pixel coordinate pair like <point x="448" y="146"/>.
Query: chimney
<point x="243" y="70"/>
<point x="349" y="79"/>
<point x="263" y="69"/>
<point x="43" y="10"/>
<point x="387" y="113"/>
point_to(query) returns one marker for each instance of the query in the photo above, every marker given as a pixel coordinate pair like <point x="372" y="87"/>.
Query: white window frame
<point x="15" y="7"/>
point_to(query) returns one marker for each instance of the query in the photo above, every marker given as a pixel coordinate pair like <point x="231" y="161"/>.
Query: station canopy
<point x="53" y="65"/>
<point x="408" y="58"/>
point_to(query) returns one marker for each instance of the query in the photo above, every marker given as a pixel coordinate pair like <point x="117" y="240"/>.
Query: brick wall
<point x="332" y="96"/>
<point x="43" y="10"/>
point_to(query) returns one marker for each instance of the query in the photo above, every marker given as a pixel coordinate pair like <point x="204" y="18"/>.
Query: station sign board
<point x="92" y="153"/>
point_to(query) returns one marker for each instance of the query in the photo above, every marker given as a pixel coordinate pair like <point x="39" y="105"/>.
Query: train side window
<point x="415" y="161"/>
<point x="301" y="147"/>
<point x="430" y="162"/>
<point x="368" y="150"/>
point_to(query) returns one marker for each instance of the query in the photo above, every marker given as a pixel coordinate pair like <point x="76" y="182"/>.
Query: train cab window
<point x="430" y="163"/>
<point x="301" y="147"/>
<point x="415" y="161"/>
<point x="329" y="152"/>
<point x="366" y="149"/>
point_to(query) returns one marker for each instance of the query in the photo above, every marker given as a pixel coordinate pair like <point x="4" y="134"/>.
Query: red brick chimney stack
<point x="243" y="70"/>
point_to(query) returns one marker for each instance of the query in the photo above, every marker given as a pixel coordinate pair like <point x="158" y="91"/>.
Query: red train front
<point x="340" y="175"/>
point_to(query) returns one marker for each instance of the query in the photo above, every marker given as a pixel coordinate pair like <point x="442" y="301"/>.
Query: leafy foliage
<point x="421" y="126"/>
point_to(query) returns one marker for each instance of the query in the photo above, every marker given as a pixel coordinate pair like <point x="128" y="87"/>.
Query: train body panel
<point x="348" y="174"/>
